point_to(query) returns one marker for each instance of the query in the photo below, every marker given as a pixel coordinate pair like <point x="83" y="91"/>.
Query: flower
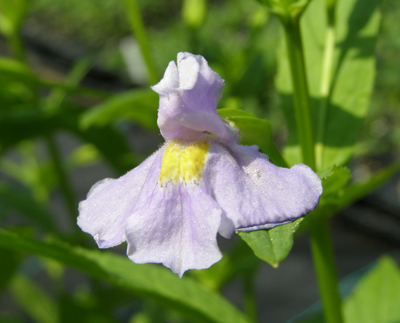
<point x="199" y="183"/>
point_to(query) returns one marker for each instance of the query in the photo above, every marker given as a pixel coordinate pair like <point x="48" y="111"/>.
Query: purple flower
<point x="199" y="183"/>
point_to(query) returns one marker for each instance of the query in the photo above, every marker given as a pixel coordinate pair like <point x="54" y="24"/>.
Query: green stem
<point x="321" y="242"/>
<point x="249" y="297"/>
<point x="325" y="84"/>
<point x="325" y="267"/>
<point x="17" y="47"/>
<point x="301" y="100"/>
<point x="139" y="31"/>
<point x="65" y="185"/>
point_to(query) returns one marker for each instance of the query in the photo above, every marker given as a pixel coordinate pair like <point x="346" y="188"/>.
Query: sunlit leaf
<point x="357" y="27"/>
<point x="376" y="298"/>
<point x="14" y="12"/>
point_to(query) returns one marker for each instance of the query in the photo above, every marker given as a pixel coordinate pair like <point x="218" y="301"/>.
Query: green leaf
<point x="78" y="72"/>
<point x="356" y="191"/>
<point x="239" y="261"/>
<point x="22" y="201"/>
<point x="14" y="12"/>
<point x="9" y="261"/>
<point x="15" y="70"/>
<point x="334" y="180"/>
<point x="8" y="318"/>
<point x="112" y="145"/>
<point x="286" y="9"/>
<point x="357" y="25"/>
<point x="151" y="281"/>
<point x="376" y="298"/>
<point x="272" y="245"/>
<point x="194" y="12"/>
<point x="82" y="308"/>
<point x="334" y="198"/>
<point x="254" y="131"/>
<point x="139" y="105"/>
<point x="39" y="306"/>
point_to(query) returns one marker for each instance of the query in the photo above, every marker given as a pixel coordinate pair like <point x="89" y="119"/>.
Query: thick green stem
<point x="325" y="83"/>
<point x="301" y="100"/>
<point x="249" y="297"/>
<point x="65" y="185"/>
<point x="325" y="267"/>
<point x="321" y="241"/>
<point x="139" y="31"/>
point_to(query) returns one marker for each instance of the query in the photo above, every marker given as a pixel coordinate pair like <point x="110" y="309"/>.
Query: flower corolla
<point x="199" y="183"/>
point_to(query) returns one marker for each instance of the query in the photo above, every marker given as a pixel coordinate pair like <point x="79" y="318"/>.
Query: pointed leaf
<point x="272" y="245"/>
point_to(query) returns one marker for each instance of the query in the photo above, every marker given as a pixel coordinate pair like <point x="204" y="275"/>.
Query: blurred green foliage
<point x="239" y="39"/>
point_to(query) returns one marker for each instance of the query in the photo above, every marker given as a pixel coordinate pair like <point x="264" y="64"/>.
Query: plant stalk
<point x="249" y="297"/>
<point x="325" y="268"/>
<point x="301" y="100"/>
<point x="325" y="83"/>
<point x="139" y="31"/>
<point x="65" y="185"/>
<point x="321" y="241"/>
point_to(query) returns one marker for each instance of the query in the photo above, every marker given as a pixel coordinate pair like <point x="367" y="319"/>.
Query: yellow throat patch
<point x="183" y="161"/>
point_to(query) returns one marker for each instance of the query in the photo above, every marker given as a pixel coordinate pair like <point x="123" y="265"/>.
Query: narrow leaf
<point x="139" y="105"/>
<point x="22" y="201"/>
<point x="9" y="261"/>
<point x="38" y="305"/>
<point x="107" y="140"/>
<point x="152" y="281"/>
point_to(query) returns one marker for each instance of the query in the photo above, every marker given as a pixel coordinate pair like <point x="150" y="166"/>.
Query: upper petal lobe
<point x="189" y="94"/>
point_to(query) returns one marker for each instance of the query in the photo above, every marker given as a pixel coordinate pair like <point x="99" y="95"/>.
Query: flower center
<point x="183" y="161"/>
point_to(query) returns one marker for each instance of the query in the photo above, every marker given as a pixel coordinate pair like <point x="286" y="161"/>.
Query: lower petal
<point x="254" y="193"/>
<point x="175" y="225"/>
